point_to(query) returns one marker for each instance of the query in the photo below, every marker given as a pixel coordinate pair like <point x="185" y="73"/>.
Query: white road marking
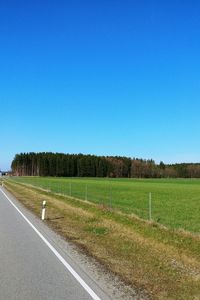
<point x="62" y="260"/>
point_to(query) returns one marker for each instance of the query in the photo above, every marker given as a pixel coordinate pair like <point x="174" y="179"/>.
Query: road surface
<point x="33" y="265"/>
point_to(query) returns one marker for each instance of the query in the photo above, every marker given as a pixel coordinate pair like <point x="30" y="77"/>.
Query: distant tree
<point x="72" y="165"/>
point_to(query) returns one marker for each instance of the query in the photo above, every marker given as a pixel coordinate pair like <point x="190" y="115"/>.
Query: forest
<point x="80" y="165"/>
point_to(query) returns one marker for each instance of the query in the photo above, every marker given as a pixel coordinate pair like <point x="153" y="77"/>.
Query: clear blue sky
<point x="102" y="77"/>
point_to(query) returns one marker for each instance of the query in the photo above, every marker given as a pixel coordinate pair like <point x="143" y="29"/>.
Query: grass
<point x="175" y="202"/>
<point x="163" y="263"/>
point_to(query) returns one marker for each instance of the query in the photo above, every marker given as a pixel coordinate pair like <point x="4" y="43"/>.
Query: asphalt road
<point x="32" y="265"/>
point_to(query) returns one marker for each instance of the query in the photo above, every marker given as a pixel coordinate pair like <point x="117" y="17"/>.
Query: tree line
<point x="80" y="165"/>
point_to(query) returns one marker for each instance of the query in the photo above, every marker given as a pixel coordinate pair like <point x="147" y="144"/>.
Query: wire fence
<point x="173" y="205"/>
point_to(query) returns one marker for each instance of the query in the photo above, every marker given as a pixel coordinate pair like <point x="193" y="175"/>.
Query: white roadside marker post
<point x="43" y="210"/>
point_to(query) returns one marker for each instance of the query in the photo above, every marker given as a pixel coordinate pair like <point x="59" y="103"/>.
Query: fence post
<point x="86" y="192"/>
<point x="70" y="189"/>
<point x="110" y="196"/>
<point x="150" y="207"/>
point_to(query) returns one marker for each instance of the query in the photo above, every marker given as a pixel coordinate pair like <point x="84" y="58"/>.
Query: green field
<point x="175" y="202"/>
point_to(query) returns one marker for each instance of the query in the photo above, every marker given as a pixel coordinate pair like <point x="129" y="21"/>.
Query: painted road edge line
<point x="57" y="254"/>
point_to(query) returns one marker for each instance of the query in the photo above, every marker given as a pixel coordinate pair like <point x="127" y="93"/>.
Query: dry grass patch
<point x="164" y="263"/>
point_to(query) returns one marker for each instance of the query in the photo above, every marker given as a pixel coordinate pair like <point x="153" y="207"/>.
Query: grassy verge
<point x="163" y="262"/>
